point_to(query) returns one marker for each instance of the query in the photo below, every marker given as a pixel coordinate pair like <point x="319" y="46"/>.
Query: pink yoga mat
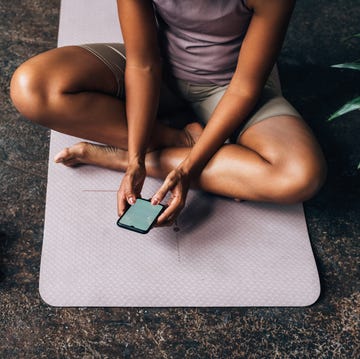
<point x="225" y="253"/>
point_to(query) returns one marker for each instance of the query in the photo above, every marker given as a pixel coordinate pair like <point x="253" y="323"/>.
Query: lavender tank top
<point x="201" y="39"/>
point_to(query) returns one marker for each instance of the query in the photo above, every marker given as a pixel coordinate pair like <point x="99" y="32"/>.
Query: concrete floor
<point x="328" y="329"/>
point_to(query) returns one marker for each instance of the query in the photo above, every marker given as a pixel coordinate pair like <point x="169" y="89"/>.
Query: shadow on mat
<point x="197" y="211"/>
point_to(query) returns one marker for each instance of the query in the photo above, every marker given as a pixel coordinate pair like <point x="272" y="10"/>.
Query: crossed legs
<point x="71" y="91"/>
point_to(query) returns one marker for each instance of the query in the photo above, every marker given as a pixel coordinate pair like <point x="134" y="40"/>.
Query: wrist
<point x="136" y="161"/>
<point x="187" y="168"/>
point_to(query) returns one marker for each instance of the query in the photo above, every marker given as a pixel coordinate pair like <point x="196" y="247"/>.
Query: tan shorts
<point x="179" y="95"/>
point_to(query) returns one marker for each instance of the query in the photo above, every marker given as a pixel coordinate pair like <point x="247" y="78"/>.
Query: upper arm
<point x="139" y="30"/>
<point x="262" y="44"/>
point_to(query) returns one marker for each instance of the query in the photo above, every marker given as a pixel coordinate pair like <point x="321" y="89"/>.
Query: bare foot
<point x="89" y="153"/>
<point x="112" y="157"/>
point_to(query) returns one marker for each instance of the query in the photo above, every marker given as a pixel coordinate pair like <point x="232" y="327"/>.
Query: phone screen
<point x="140" y="216"/>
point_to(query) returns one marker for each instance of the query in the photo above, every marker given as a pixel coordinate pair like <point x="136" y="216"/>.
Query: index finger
<point x="160" y="194"/>
<point x="170" y="213"/>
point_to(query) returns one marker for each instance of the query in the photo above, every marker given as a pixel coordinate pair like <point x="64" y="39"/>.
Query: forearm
<point x="142" y="88"/>
<point x="142" y="73"/>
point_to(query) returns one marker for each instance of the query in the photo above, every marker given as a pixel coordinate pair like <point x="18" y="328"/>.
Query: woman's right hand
<point x="131" y="186"/>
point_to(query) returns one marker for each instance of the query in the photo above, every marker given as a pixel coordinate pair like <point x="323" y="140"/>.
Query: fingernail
<point x="155" y="201"/>
<point x="131" y="200"/>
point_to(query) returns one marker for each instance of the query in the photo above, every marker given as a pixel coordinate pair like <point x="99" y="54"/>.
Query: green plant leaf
<point x="352" y="36"/>
<point x="348" y="65"/>
<point x="349" y="106"/>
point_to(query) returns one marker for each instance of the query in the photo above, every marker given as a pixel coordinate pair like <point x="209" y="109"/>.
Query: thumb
<point x="130" y="198"/>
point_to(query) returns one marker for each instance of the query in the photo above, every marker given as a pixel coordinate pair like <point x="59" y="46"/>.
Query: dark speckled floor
<point x="328" y="329"/>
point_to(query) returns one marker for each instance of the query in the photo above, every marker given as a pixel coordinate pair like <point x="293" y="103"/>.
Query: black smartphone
<point x="141" y="216"/>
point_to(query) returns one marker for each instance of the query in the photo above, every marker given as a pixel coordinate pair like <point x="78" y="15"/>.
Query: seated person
<point x="217" y="58"/>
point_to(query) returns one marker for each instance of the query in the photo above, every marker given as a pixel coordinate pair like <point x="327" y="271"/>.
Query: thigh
<point x="285" y="140"/>
<point x="205" y="98"/>
<point x="113" y="56"/>
<point x="71" y="69"/>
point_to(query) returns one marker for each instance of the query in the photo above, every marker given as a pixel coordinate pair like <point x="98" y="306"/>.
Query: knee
<point x="28" y="91"/>
<point x="301" y="181"/>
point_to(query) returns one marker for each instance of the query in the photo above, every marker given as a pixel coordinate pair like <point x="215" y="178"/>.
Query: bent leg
<point x="72" y="91"/>
<point x="276" y="160"/>
<point x="298" y="167"/>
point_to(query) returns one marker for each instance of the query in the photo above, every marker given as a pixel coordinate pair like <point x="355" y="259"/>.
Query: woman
<point x="216" y="56"/>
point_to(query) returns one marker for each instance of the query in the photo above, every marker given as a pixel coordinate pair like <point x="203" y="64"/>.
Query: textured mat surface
<point x="225" y="253"/>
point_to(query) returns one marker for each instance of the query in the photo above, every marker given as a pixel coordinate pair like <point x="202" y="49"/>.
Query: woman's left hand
<point x="178" y="183"/>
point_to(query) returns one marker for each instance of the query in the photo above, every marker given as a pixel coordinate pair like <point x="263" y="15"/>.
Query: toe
<point x="63" y="155"/>
<point x="78" y="151"/>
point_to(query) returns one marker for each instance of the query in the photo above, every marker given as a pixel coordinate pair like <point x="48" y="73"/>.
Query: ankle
<point x="168" y="137"/>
